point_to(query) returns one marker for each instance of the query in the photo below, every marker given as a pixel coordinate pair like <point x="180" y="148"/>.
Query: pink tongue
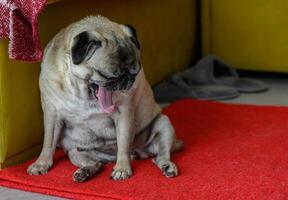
<point x="105" y="100"/>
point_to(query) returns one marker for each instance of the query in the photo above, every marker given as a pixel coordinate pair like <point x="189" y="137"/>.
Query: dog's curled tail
<point x="178" y="145"/>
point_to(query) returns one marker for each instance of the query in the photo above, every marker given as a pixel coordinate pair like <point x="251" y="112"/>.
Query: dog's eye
<point x="84" y="48"/>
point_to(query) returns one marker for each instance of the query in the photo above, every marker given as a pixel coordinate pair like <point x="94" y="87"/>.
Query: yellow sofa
<point x="251" y="35"/>
<point x="167" y="32"/>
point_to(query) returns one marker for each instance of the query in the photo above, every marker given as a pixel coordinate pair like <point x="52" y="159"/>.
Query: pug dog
<point x="97" y="103"/>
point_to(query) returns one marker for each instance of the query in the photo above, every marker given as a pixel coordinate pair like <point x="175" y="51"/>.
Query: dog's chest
<point x="89" y="131"/>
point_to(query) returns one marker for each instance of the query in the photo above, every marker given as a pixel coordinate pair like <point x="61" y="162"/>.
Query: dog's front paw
<point x="82" y="174"/>
<point x="39" y="168"/>
<point x="121" y="172"/>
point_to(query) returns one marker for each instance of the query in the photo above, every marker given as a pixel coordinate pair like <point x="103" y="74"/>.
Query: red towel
<point x="231" y="152"/>
<point x="18" y="21"/>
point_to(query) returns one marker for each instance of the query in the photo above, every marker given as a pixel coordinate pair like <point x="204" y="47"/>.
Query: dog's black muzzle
<point x="122" y="82"/>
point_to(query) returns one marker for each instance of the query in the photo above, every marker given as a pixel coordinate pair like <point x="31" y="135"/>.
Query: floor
<point x="277" y="95"/>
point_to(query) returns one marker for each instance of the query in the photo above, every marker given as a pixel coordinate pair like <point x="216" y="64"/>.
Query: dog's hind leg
<point x="88" y="166"/>
<point x="163" y="144"/>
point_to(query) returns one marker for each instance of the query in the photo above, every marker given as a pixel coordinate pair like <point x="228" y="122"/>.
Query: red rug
<point x="232" y="152"/>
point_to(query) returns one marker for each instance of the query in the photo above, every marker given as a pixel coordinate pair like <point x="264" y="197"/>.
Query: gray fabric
<point x="205" y="71"/>
<point x="212" y="70"/>
<point x="244" y="85"/>
<point x="170" y="91"/>
<point x="211" y="79"/>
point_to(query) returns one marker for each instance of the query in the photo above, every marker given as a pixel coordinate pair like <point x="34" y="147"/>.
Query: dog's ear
<point x="83" y="48"/>
<point x="133" y="34"/>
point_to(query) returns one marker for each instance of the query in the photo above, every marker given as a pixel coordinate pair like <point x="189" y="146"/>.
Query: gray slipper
<point x="171" y="91"/>
<point x="244" y="85"/>
<point x="212" y="70"/>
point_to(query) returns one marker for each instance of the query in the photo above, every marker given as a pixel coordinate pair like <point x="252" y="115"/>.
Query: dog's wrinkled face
<point x="107" y="55"/>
